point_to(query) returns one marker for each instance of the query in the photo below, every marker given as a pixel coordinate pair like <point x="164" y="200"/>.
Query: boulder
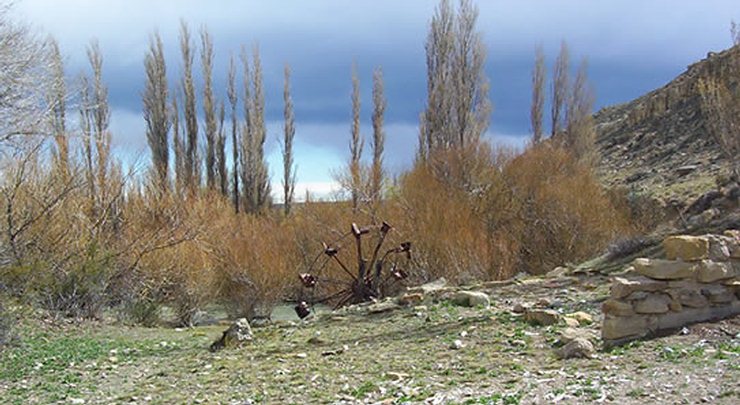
<point x="430" y="287"/>
<point x="236" y="335"/>
<point x="622" y="287"/>
<point x="582" y="317"/>
<point x="663" y="269"/>
<point x="471" y="299"/>
<point x="709" y="272"/>
<point x="381" y="307"/>
<point x="410" y="299"/>
<point x="520" y="308"/>
<point x="653" y="304"/>
<point x="617" y="307"/>
<point x="572" y="323"/>
<point x="544" y="317"/>
<point x="568" y="335"/>
<point x="577" y="348"/>
<point x="686" y="248"/>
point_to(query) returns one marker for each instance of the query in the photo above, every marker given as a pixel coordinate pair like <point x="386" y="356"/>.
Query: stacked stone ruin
<point x="698" y="281"/>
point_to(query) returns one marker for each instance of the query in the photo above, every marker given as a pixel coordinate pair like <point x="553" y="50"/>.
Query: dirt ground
<point x="437" y="353"/>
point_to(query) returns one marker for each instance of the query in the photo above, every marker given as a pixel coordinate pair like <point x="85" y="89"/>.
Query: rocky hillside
<point x="659" y="143"/>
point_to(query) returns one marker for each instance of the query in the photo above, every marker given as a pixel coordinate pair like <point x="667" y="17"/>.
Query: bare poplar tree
<point x="458" y="108"/>
<point x="192" y="161"/>
<point x="289" y="176"/>
<point x="379" y="104"/>
<point x="247" y="151"/>
<point x="580" y="134"/>
<point x="254" y="167"/>
<point x="233" y="100"/>
<point x="734" y="33"/>
<point x="209" y="107"/>
<point x="86" y="125"/>
<point x="560" y="86"/>
<point x="222" y="174"/>
<point x="262" y="181"/>
<point x="473" y="107"/>
<point x="156" y="115"/>
<point x="355" y="144"/>
<point x="100" y="114"/>
<point x="58" y="102"/>
<point x="440" y="48"/>
<point x="538" y="95"/>
<point x="181" y="174"/>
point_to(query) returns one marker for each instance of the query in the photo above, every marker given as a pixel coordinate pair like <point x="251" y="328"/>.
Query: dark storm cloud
<point x="633" y="46"/>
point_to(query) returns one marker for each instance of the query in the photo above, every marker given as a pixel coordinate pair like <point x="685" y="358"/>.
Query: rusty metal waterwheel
<point x="351" y="286"/>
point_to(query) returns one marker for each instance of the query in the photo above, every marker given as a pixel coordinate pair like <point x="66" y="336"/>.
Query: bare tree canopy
<point x="156" y="114"/>
<point x="26" y="78"/>
<point x="538" y="95"/>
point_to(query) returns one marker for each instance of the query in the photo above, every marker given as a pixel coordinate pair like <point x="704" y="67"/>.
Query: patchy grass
<point x="402" y="357"/>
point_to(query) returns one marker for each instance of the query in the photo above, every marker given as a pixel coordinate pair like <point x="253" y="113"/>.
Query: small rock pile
<point x="698" y="281"/>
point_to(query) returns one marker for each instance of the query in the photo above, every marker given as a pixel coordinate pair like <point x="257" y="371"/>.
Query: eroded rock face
<point x="236" y="335"/>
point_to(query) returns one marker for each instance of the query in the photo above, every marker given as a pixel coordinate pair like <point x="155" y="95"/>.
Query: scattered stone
<point x="653" y="304"/>
<point x="617" y="307"/>
<point x="568" y="335"/>
<point x="573" y="323"/>
<point x="431" y="287"/>
<point x="236" y="335"/>
<point x="684" y="170"/>
<point x="394" y="376"/>
<point x="543" y="303"/>
<point x="582" y="317"/>
<point x="300" y="355"/>
<point x="577" y="348"/>
<point x="457" y="344"/>
<point x="544" y="317"/>
<point x="663" y="269"/>
<point x="686" y="248"/>
<point x="558" y="272"/>
<point x="471" y="299"/>
<point x="409" y="299"/>
<point x="381" y="307"/>
<point x="622" y="287"/>
<point x="710" y="272"/>
<point x="498" y="283"/>
<point x="316" y="340"/>
<point x="332" y="352"/>
<point x="520" y="308"/>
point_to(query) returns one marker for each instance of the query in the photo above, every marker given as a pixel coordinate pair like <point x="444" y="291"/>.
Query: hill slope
<point x="659" y="143"/>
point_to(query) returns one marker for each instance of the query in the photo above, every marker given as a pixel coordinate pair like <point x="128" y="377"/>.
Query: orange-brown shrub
<point x="482" y="216"/>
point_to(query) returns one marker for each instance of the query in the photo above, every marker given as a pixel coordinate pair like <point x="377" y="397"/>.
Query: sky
<point x="632" y="47"/>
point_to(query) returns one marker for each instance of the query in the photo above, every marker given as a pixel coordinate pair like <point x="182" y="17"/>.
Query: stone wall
<point x="698" y="281"/>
